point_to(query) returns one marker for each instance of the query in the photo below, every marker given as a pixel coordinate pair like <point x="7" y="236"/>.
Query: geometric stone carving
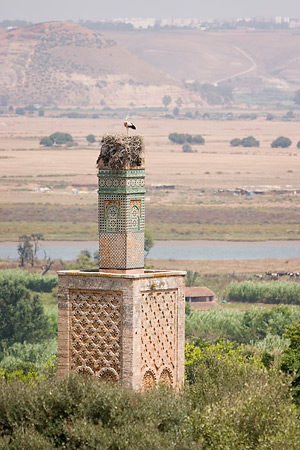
<point x="126" y="328"/>
<point x="95" y="333"/>
<point x="158" y="337"/>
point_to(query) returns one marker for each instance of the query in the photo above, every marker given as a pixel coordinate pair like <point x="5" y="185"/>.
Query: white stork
<point x="128" y="124"/>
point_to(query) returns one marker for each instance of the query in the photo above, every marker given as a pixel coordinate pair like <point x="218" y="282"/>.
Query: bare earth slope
<point x="270" y="59"/>
<point x="66" y="64"/>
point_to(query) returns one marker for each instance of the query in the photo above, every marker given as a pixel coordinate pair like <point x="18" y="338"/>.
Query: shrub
<point x="187" y="148"/>
<point x="20" y="111"/>
<point x="229" y="402"/>
<point x="270" y="116"/>
<point x="33" y="281"/>
<point x="61" y="138"/>
<point x="239" y="326"/>
<point x="298" y="144"/>
<point x="249" y="141"/>
<point x="181" y="138"/>
<point x="46" y="141"/>
<point x="178" y="138"/>
<point x="91" y="138"/>
<point x="235" y="142"/>
<point x="285" y="292"/>
<point x="282" y="142"/>
<point x="198" y="139"/>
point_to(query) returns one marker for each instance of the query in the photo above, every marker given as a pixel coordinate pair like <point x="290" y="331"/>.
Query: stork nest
<point x="121" y="152"/>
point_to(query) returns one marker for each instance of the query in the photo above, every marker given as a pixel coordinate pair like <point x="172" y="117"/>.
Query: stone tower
<point x="122" y="323"/>
<point x="121" y="205"/>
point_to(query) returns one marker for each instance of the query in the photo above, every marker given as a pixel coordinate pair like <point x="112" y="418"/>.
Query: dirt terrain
<point x="245" y="58"/>
<point x="65" y="64"/>
<point x="218" y="192"/>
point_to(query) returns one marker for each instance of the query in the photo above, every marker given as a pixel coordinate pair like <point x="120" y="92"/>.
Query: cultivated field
<point x="189" y="195"/>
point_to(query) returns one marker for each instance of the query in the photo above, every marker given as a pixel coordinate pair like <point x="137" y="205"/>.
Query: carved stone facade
<point x="158" y="336"/>
<point x="95" y="333"/>
<point x="122" y="327"/>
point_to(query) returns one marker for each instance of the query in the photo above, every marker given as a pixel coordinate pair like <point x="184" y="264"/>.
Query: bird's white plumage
<point x="128" y="124"/>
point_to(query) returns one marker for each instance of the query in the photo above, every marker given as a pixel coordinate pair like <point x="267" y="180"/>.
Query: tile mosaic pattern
<point x="121" y="219"/>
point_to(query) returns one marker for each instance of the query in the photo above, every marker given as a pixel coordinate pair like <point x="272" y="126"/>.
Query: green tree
<point x="46" y="141"/>
<point x="187" y="148"/>
<point x="176" y="111"/>
<point x="61" y="138"/>
<point x="41" y="112"/>
<point x="166" y="100"/>
<point x="148" y="242"/>
<point x="235" y="142"/>
<point x="25" y="249"/>
<point x="90" y="138"/>
<point x="20" y="111"/>
<point x="84" y="260"/>
<point x="198" y="139"/>
<point x="22" y="316"/>
<point x="270" y="116"/>
<point x="35" y="238"/>
<point x="282" y="142"/>
<point x="249" y="141"/>
<point x="298" y="144"/>
<point x="291" y="359"/>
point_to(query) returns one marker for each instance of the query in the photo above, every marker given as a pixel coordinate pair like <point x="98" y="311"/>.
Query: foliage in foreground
<point x="228" y="402"/>
<point x="291" y="358"/>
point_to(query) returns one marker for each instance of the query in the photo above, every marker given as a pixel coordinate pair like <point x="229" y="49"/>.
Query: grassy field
<point x="189" y="195"/>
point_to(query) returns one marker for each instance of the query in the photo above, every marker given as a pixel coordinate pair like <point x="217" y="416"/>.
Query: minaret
<point x="121" y="323"/>
<point x="121" y="203"/>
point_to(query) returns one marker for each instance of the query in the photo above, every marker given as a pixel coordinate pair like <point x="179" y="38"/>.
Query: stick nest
<point x="121" y="152"/>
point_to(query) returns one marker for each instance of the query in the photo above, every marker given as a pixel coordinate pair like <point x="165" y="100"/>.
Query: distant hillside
<point x="247" y="60"/>
<point x="65" y="64"/>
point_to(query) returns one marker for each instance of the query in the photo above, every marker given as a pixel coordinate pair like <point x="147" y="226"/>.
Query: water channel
<point x="197" y="250"/>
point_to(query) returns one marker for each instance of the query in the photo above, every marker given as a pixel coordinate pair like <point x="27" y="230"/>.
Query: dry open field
<point x="193" y="209"/>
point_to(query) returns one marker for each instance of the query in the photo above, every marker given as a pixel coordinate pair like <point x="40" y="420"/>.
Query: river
<point x="197" y="250"/>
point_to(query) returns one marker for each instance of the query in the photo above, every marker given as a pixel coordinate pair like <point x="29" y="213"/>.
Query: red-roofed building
<point x="200" y="297"/>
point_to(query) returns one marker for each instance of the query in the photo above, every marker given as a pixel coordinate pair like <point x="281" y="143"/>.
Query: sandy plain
<point x="189" y="195"/>
<point x="25" y="165"/>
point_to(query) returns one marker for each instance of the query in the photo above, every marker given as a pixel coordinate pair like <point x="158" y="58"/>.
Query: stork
<point x="128" y="124"/>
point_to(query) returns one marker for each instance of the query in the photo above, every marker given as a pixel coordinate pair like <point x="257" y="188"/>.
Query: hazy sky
<point x="46" y="10"/>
